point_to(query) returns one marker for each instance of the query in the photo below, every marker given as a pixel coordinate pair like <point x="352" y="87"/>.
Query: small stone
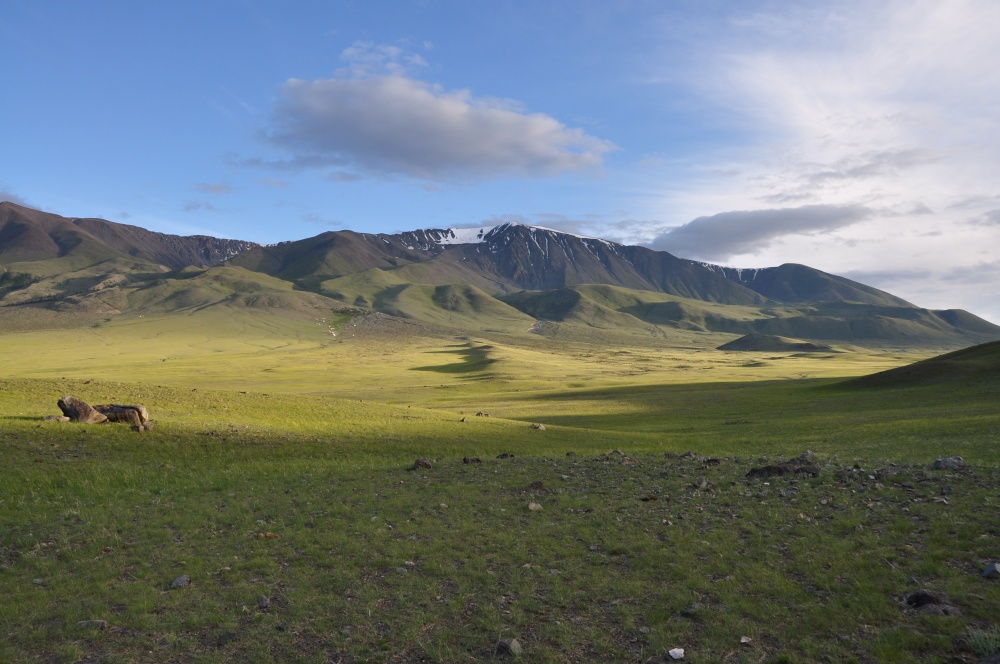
<point x="534" y="507"/>
<point x="92" y="624"/>
<point x="746" y="640"/>
<point x="692" y="610"/>
<point x="464" y="419"/>
<point x="180" y="582"/>
<point x="38" y="582"/>
<point x="676" y="653"/>
<point x="644" y="630"/>
<point x="56" y="418"/>
<point x="949" y="463"/>
<point x="921" y="597"/>
<point x="421" y="462"/>
<point x="992" y="571"/>
<point x="468" y="460"/>
<point x="536" y="425"/>
<point x="509" y="647"/>
<point x="263" y="602"/>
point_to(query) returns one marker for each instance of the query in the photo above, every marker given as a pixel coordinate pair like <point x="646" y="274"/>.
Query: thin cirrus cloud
<point x="375" y="119"/>
<point x="721" y="236"/>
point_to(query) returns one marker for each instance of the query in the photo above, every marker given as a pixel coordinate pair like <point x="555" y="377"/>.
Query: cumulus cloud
<point x="720" y="236"/>
<point x="373" y="117"/>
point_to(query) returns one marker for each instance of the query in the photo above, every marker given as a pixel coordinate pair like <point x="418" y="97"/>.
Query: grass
<point x="279" y="464"/>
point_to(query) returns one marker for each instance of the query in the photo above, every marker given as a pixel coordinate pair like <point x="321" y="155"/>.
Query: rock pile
<point x="78" y="410"/>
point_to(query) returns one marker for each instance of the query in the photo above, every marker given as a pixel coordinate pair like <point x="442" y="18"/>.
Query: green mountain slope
<point x="970" y="367"/>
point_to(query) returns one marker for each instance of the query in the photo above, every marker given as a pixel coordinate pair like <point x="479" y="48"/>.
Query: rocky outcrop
<point x="78" y="410"/>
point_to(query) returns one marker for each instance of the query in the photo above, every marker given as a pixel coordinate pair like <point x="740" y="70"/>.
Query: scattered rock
<point x="693" y="610"/>
<point x="745" y="640"/>
<point x="263" y="602"/>
<point x="927" y="603"/>
<point x="181" y="582"/>
<point x="676" y="653"/>
<point x="949" y="463"/>
<point x="534" y="507"/>
<point x="509" y="647"/>
<point x="56" y="418"/>
<point x="482" y="414"/>
<point x="688" y="455"/>
<point x="78" y="410"/>
<point x="505" y="455"/>
<point x="421" y="462"/>
<point x="921" y="598"/>
<point x="712" y="462"/>
<point x="571" y="453"/>
<point x="92" y="624"/>
<point x="471" y="460"/>
<point x="536" y="425"/>
<point x="799" y="465"/>
<point x="464" y="419"/>
<point x="992" y="571"/>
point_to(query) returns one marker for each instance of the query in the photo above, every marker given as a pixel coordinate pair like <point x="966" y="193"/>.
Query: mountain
<point x="28" y="235"/>
<point x="508" y="278"/>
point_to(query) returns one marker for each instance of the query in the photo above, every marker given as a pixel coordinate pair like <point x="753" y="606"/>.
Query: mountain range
<point x="508" y="278"/>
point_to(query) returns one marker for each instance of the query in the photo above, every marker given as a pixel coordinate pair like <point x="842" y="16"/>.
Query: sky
<point x="861" y="138"/>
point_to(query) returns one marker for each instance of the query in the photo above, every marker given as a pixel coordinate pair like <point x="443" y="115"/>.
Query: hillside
<point x="963" y="368"/>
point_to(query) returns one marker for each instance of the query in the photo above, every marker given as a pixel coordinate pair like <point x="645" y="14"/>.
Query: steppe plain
<point x="279" y="481"/>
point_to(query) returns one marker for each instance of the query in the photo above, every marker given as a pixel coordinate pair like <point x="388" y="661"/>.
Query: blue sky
<point x="856" y="137"/>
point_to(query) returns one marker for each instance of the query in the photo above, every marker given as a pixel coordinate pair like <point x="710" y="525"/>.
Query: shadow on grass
<point x="474" y="358"/>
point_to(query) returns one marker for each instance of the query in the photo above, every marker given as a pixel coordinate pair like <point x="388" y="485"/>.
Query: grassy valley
<point x="275" y="511"/>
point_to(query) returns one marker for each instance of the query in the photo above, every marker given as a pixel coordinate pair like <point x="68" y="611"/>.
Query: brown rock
<point x="134" y="415"/>
<point x="78" y="410"/>
<point x="422" y="462"/>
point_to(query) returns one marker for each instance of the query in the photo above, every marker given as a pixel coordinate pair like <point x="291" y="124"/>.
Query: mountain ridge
<point x="509" y="276"/>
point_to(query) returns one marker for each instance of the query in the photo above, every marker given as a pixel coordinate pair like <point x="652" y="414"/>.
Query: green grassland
<point x="279" y="467"/>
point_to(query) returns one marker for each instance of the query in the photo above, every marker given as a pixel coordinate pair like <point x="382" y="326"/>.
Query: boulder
<point x="78" y="410"/>
<point x="134" y="415"/>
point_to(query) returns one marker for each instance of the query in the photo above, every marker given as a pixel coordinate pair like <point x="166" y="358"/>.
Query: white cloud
<point x="374" y="118"/>
<point x="721" y="236"/>
<point x="9" y="196"/>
